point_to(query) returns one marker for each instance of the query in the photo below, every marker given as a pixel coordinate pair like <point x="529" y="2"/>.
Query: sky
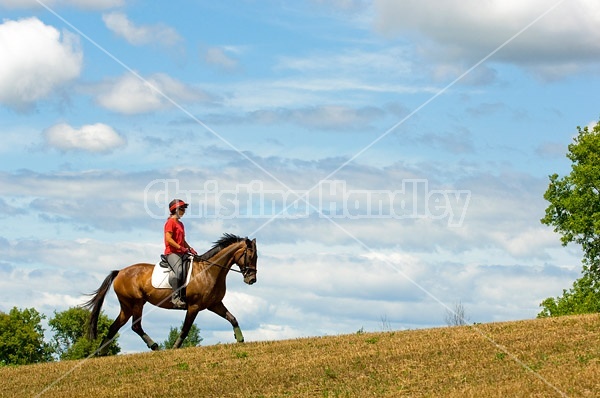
<point x="390" y="158"/>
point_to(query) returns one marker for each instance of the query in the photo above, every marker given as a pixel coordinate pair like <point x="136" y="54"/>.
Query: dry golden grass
<point x="534" y="358"/>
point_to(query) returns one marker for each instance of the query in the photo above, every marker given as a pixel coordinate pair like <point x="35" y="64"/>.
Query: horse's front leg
<point x="223" y="312"/>
<point x="190" y="316"/>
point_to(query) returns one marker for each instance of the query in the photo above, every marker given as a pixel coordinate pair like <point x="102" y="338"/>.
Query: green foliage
<point x="70" y="334"/>
<point x="574" y="211"/>
<point x="22" y="338"/>
<point x="574" y="208"/>
<point x="193" y="338"/>
<point x="582" y="298"/>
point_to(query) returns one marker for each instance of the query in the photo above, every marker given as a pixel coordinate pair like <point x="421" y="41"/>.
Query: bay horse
<point x="205" y="290"/>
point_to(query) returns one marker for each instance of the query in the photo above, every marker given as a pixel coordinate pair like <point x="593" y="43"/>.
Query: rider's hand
<point x="191" y="250"/>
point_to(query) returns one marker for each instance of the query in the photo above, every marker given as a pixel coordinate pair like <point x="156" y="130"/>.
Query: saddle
<point x="163" y="261"/>
<point x="161" y="271"/>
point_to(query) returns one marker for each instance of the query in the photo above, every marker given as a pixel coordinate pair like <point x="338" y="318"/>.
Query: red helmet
<point x="176" y="203"/>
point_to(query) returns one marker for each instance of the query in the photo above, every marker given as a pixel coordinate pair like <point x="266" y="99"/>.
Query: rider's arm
<point x="169" y="239"/>
<point x="190" y="248"/>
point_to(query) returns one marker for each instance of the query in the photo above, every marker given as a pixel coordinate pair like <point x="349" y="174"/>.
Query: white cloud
<point x="98" y="138"/>
<point x="131" y="95"/>
<point x="36" y="60"/>
<point x="467" y="31"/>
<point x="140" y="35"/>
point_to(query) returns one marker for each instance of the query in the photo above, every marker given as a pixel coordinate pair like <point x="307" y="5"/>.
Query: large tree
<point x="22" y="338"/>
<point x="574" y="212"/>
<point x="70" y="334"/>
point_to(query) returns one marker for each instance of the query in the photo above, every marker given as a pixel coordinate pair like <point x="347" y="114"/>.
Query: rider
<point x="175" y="249"/>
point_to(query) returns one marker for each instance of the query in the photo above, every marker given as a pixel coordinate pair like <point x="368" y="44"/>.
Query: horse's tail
<point x="95" y="304"/>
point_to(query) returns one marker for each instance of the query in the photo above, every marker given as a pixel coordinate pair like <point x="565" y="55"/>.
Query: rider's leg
<point x="176" y="265"/>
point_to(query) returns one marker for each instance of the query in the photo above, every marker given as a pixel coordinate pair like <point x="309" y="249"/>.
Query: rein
<point x="219" y="265"/>
<point x="241" y="271"/>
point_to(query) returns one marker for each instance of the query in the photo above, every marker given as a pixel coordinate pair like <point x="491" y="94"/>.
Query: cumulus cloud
<point x="469" y="30"/>
<point x="131" y="94"/>
<point x="36" y="60"/>
<point x="138" y="35"/>
<point x="97" y="138"/>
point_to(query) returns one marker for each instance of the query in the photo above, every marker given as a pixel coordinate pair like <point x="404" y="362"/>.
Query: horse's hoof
<point x="154" y="347"/>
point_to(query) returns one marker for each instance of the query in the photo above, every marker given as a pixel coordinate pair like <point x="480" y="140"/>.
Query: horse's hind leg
<point x="136" y="326"/>
<point x="223" y="312"/>
<point x="121" y="320"/>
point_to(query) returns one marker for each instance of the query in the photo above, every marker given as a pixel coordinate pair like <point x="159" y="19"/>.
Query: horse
<point x="205" y="290"/>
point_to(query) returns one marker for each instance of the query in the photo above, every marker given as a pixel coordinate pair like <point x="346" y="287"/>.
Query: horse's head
<point x="247" y="261"/>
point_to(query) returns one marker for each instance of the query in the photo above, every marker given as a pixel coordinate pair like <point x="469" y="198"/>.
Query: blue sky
<point x="347" y="102"/>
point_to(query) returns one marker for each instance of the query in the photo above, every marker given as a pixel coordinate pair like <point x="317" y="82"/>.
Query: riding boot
<point x="176" y="296"/>
<point x="182" y="278"/>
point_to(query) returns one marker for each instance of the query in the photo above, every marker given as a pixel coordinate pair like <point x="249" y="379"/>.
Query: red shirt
<point x="177" y="230"/>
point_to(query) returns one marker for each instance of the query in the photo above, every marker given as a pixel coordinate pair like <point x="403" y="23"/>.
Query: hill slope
<point x="542" y="357"/>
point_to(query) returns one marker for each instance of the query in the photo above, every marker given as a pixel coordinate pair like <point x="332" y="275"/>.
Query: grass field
<point x="553" y="357"/>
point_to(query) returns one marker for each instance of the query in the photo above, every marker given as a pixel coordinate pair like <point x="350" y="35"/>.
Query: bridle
<point x="245" y="270"/>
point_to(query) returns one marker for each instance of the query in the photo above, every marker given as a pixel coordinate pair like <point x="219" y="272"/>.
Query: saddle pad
<point x="160" y="277"/>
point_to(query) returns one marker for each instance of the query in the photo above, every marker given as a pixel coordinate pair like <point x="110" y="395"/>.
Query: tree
<point x="574" y="208"/>
<point x="70" y="334"/>
<point x="22" y="338"/>
<point x="456" y="317"/>
<point x="582" y="298"/>
<point x="193" y="338"/>
<point x="574" y="211"/>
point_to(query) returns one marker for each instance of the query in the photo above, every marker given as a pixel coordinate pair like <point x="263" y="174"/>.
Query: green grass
<point x="543" y="358"/>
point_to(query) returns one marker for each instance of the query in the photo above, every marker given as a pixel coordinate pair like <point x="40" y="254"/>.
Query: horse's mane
<point x="225" y="240"/>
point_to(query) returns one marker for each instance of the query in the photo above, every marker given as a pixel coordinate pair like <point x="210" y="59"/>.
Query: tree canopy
<point x="574" y="208"/>
<point x="574" y="211"/>
<point x="70" y="334"/>
<point x="22" y="338"/>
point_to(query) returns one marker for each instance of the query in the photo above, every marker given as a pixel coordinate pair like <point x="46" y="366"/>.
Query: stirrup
<point x="178" y="303"/>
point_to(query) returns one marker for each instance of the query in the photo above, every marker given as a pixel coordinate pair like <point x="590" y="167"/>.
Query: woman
<point x="175" y="249"/>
